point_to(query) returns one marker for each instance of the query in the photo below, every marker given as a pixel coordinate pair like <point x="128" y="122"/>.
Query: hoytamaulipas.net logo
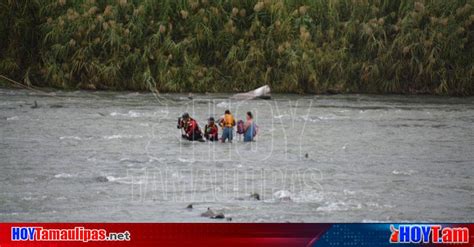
<point x="73" y="234"/>
<point x="435" y="234"/>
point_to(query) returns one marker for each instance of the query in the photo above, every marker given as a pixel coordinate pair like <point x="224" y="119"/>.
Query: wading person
<point x="227" y="123"/>
<point x="250" y="128"/>
<point x="190" y="127"/>
<point x="211" y="131"/>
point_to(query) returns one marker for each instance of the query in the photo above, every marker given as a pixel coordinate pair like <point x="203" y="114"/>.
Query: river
<point x="118" y="156"/>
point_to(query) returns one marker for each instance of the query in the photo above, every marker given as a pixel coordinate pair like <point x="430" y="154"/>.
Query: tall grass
<point x="301" y="46"/>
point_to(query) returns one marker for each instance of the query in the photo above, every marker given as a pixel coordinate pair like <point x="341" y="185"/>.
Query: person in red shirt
<point x="211" y="131"/>
<point x="190" y="127"/>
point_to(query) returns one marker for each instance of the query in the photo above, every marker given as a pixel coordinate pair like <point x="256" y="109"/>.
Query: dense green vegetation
<point x="302" y="46"/>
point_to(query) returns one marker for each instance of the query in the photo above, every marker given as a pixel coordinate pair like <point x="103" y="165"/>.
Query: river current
<point x="118" y="157"/>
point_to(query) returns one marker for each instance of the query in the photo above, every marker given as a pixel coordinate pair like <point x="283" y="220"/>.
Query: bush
<point x="297" y="46"/>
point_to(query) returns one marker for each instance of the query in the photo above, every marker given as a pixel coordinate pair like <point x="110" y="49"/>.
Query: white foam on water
<point x="282" y="195"/>
<point x="153" y="159"/>
<point x="223" y="104"/>
<point x="349" y="192"/>
<point x="372" y="221"/>
<point x="122" y="137"/>
<point x="309" y="119"/>
<point x="376" y="205"/>
<point x="132" y="114"/>
<point x="12" y="213"/>
<point x="70" y="137"/>
<point x="124" y="180"/>
<point x="136" y="114"/>
<point x="92" y="159"/>
<point x="309" y="196"/>
<point x="186" y="160"/>
<point x="34" y="198"/>
<point x="403" y="173"/>
<point x="112" y="178"/>
<point x="64" y="175"/>
<point x="328" y="117"/>
<point x="12" y="118"/>
<point x="338" y="206"/>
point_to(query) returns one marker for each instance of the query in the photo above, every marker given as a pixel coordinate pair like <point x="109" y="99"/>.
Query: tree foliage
<point x="301" y="46"/>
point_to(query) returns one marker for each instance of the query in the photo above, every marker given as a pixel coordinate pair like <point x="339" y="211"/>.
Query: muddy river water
<point x="118" y="156"/>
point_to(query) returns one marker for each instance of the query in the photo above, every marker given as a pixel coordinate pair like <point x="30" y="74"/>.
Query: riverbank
<point x="48" y="90"/>
<point x="312" y="47"/>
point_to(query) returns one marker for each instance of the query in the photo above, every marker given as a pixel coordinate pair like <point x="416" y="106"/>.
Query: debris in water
<point x="306" y="155"/>
<point x="213" y="215"/>
<point x="209" y="213"/>
<point x="101" y="179"/>
<point x="35" y="105"/>
<point x="218" y="216"/>
<point x="190" y="206"/>
<point x="282" y="195"/>
<point x="255" y="196"/>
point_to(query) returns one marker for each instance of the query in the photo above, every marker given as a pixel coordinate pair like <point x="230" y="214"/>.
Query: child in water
<point x="211" y="130"/>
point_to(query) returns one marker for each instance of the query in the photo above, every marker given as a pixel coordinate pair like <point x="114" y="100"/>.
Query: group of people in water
<point x="192" y="132"/>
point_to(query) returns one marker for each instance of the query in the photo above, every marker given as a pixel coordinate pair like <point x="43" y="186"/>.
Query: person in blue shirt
<point x="250" y="128"/>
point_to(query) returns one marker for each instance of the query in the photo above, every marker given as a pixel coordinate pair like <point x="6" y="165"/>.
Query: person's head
<point x="210" y="121"/>
<point x="185" y="116"/>
<point x="227" y="112"/>
<point x="249" y="115"/>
